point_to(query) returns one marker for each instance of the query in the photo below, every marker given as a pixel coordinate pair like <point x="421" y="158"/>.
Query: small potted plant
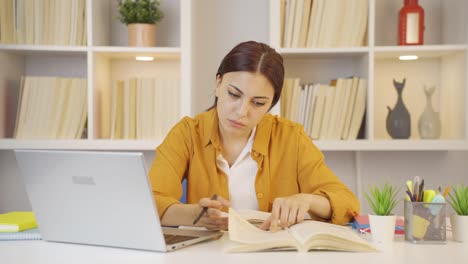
<point x="141" y="17"/>
<point x="459" y="202"/>
<point x="382" y="202"/>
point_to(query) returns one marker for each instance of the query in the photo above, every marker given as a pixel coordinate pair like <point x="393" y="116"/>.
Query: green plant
<point x="459" y="202"/>
<point x="383" y="199"/>
<point x="139" y="11"/>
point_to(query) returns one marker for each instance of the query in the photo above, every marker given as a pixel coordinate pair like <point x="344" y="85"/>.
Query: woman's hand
<point x="213" y="218"/>
<point x="287" y="211"/>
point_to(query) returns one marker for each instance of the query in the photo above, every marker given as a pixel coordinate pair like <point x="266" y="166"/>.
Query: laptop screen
<point x="92" y="197"/>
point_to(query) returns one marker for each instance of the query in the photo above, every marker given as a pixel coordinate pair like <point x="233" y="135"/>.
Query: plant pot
<point x="142" y="35"/>
<point x="382" y="227"/>
<point x="459" y="227"/>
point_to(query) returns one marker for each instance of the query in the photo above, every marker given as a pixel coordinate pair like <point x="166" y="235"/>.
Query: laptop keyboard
<point x="172" y="239"/>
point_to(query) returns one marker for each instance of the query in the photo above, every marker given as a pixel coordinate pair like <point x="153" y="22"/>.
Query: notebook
<point x="17" y="221"/>
<point x="30" y="234"/>
<point x="98" y="198"/>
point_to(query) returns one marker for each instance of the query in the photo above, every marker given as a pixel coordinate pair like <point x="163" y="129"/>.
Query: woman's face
<point x="243" y="99"/>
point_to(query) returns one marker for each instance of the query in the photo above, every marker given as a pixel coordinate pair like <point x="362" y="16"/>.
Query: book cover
<point x="17" y="221"/>
<point x="305" y="236"/>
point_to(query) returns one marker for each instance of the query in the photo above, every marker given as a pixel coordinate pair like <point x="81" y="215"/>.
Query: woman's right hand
<point x="214" y="217"/>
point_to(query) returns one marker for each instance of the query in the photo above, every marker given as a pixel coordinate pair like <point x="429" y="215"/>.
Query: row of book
<point x="51" y="108"/>
<point x="144" y="108"/>
<point x="328" y="112"/>
<point x="43" y="22"/>
<point x="323" y="23"/>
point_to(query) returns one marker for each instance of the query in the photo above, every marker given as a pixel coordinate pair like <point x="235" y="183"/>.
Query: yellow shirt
<point x="288" y="163"/>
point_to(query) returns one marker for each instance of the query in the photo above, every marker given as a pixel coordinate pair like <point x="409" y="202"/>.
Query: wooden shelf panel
<point x="392" y="145"/>
<point x="324" y="145"/>
<point x="429" y="51"/>
<point x="81" y="144"/>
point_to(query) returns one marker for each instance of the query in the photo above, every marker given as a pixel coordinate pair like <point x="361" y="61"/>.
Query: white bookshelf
<point x="442" y="62"/>
<point x="184" y="43"/>
<point x="195" y="35"/>
<point x="105" y="57"/>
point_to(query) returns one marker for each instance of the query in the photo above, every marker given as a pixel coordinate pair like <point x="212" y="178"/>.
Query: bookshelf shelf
<point x="81" y="144"/>
<point x="27" y="49"/>
<point x="392" y="145"/>
<point x="324" y="145"/>
<point x="429" y="51"/>
<point x="131" y="53"/>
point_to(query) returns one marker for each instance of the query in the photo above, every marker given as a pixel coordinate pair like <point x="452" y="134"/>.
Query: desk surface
<point x="400" y="251"/>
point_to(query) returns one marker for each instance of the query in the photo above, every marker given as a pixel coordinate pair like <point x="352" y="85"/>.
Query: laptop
<point x="98" y="198"/>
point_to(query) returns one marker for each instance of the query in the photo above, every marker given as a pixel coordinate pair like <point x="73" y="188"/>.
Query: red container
<point x="411" y="24"/>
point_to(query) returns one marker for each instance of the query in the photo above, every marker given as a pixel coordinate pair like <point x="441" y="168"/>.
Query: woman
<point x="249" y="158"/>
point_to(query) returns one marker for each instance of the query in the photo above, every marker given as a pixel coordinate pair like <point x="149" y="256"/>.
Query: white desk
<point x="38" y="252"/>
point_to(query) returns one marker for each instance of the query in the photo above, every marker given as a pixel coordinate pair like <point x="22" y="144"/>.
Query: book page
<point x="320" y="235"/>
<point x="250" y="238"/>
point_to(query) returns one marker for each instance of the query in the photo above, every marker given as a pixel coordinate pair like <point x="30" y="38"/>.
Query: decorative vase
<point x="142" y="35"/>
<point x="398" y="119"/>
<point x="382" y="227"/>
<point x="411" y="24"/>
<point x="429" y="121"/>
<point x="459" y="227"/>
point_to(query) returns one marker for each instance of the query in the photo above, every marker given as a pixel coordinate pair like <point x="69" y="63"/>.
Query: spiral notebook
<point x="30" y="234"/>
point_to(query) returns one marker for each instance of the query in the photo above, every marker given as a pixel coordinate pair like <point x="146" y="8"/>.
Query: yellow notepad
<point x="17" y="221"/>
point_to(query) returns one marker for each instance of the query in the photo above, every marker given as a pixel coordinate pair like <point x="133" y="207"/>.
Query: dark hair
<point x="252" y="56"/>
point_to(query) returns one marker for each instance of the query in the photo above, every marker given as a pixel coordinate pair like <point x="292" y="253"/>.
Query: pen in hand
<point x="214" y="197"/>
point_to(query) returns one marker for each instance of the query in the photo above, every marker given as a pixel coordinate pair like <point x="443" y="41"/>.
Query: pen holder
<point x="425" y="222"/>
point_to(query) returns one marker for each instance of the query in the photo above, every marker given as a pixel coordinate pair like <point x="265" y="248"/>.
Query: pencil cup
<point x="425" y="222"/>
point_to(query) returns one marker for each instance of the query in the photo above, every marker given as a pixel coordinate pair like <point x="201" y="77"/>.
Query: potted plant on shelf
<point x="382" y="202"/>
<point x="459" y="220"/>
<point x="141" y="17"/>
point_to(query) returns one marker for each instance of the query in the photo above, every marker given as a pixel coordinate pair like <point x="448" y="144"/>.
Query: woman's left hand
<point x="287" y="211"/>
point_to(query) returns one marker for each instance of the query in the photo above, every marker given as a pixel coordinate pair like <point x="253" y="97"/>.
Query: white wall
<point x="438" y="168"/>
<point x="218" y="26"/>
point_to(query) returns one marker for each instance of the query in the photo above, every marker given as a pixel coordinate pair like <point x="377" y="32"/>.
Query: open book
<point x="308" y="235"/>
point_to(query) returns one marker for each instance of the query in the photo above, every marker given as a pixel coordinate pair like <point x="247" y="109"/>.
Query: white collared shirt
<point x="241" y="177"/>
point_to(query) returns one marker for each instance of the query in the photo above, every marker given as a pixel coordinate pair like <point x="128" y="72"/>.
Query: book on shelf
<point x="43" y="22"/>
<point x="338" y="99"/>
<point x="297" y="23"/>
<point x="143" y="108"/>
<point x="327" y="112"/>
<point x="308" y="235"/>
<point x="323" y="24"/>
<point x="17" y="221"/>
<point x="7" y="22"/>
<point x="305" y="23"/>
<point x="353" y="82"/>
<point x="310" y="107"/>
<point x="289" y="18"/>
<point x="318" y="112"/>
<point x="51" y="108"/>
<point x="359" y="108"/>
<point x="30" y="234"/>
